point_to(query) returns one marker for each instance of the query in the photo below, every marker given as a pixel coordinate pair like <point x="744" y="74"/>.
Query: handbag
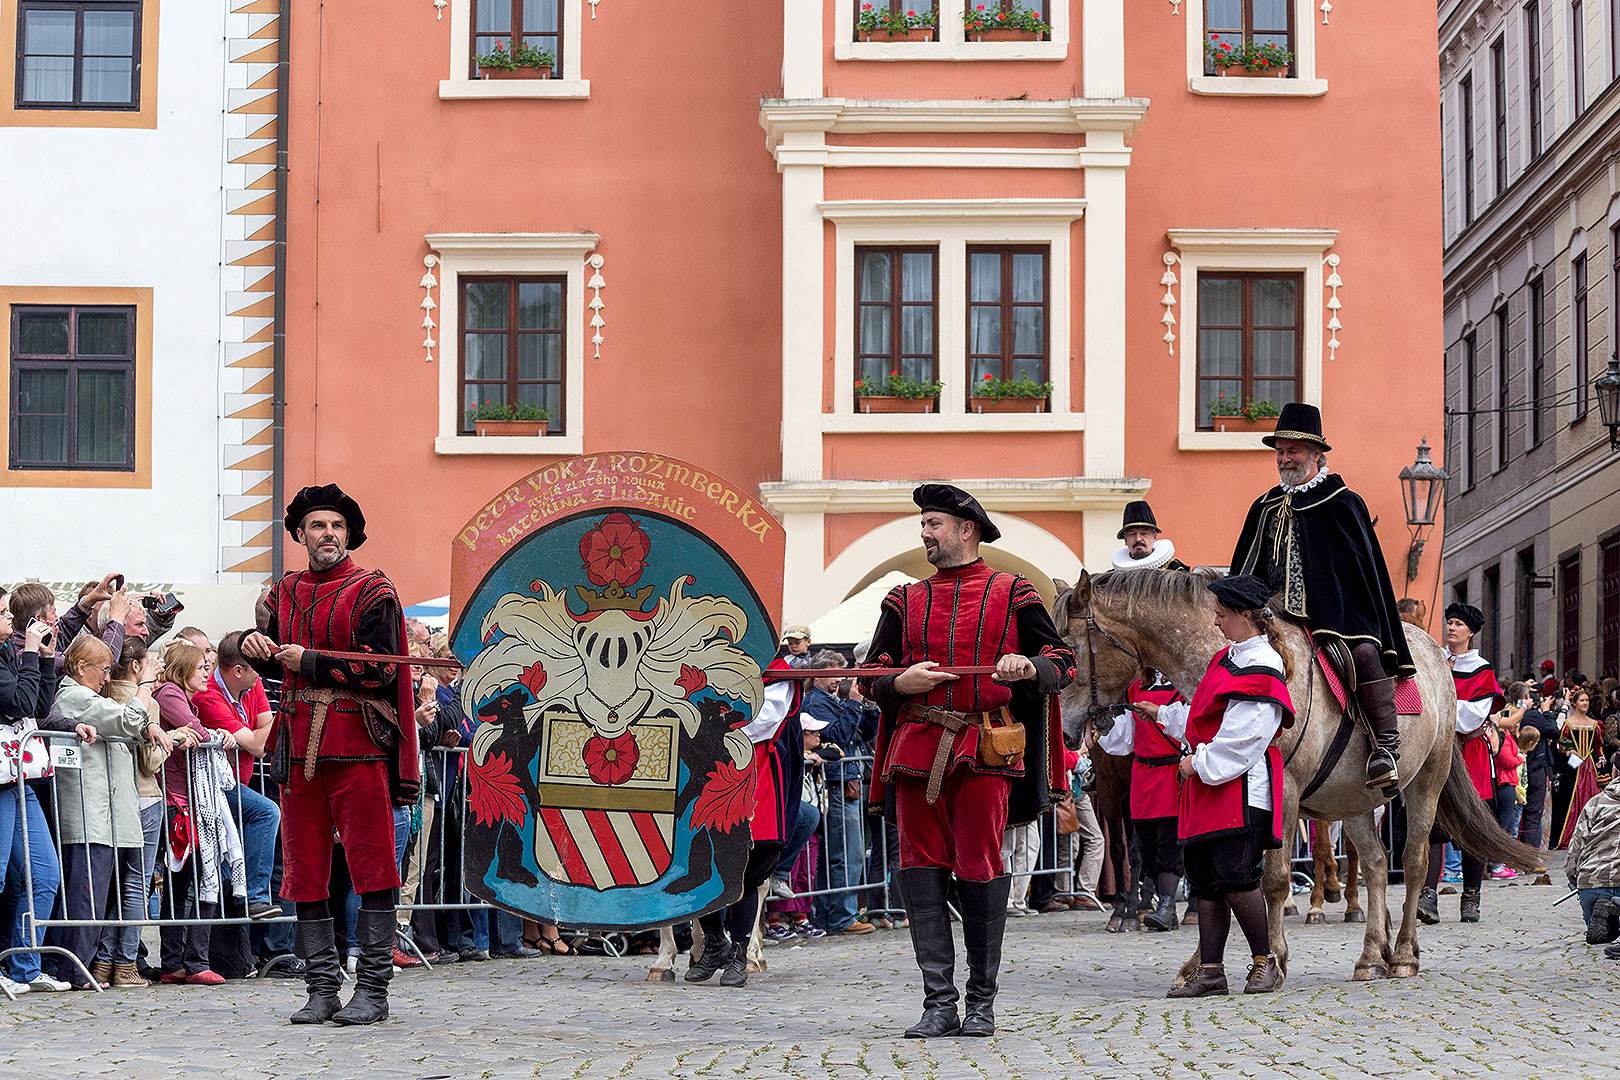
<point x="1001" y="744"/>
<point x="23" y="754"/>
<point x="1068" y="817"/>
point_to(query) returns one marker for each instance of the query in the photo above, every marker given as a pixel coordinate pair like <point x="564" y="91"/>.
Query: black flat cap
<point x="949" y="499"/>
<point x="1469" y="614"/>
<point x="326" y="497"/>
<point x="1241" y="592"/>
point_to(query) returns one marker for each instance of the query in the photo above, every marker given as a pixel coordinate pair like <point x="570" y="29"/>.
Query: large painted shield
<point x="613" y="613"/>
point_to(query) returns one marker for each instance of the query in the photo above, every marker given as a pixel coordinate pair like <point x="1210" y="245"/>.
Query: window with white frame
<point x="543" y="29"/>
<point x="1284" y="24"/>
<point x="955" y="35"/>
<point x="987" y="292"/>
<point x="1252" y="324"/>
<point x="512" y="332"/>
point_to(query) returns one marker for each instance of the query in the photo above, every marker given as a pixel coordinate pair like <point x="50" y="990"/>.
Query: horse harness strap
<point x="952" y="722"/>
<point x="1093" y="628"/>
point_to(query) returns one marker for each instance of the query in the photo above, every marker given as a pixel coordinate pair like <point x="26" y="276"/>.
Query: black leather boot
<point x="313" y="943"/>
<point x="1470" y="905"/>
<point x="930" y="924"/>
<point x="1604" y="925"/>
<point x="1428" y="911"/>
<point x="1378" y="703"/>
<point x="1163" y="917"/>
<point x="736" y="972"/>
<point x="984" y="922"/>
<point x="372" y="971"/>
<point x="716" y="954"/>
<point x="1613" y="951"/>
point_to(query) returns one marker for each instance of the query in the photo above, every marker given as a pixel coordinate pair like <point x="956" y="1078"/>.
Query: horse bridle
<point x="1093" y="628"/>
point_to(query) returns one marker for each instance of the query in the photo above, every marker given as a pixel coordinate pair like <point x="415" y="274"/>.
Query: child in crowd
<point x="1593" y="864"/>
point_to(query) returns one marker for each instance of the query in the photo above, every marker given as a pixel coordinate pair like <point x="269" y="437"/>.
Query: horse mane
<point x="1128" y="588"/>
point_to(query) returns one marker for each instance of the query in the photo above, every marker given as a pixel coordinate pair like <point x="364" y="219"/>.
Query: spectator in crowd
<point x="1580" y="744"/>
<point x="417" y="635"/>
<point x="122" y="944"/>
<point x="1593" y="863"/>
<point x="232" y="701"/>
<point x="195" y="851"/>
<point x="98" y="811"/>
<point x="27" y="690"/>
<point x="1414" y="612"/>
<point x="796" y="867"/>
<point x="1507" y="761"/>
<point x="851" y="725"/>
<point x="1538" y="767"/>
<point x="795" y="646"/>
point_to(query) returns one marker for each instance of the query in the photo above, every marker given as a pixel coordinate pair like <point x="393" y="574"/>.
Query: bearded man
<point x="944" y="767"/>
<point x="345" y="737"/>
<point x="1144" y="548"/>
<point x="1311" y="539"/>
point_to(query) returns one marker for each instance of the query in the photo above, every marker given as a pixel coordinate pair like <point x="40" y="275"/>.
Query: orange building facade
<point x="710" y="237"/>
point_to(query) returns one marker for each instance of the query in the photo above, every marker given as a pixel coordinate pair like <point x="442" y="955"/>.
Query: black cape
<point x="1319" y="552"/>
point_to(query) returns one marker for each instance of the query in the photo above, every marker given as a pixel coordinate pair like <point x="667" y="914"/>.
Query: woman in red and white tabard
<point x="1231" y="791"/>
<point x="1478" y="696"/>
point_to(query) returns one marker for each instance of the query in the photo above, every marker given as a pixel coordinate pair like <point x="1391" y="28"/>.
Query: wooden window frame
<point x="516" y="34"/>
<point x="1504" y="450"/>
<point x="1470" y="359"/>
<point x="79" y="7"/>
<point x="73" y="364"/>
<point x="1246" y="369"/>
<point x="1007" y="305"/>
<point x="1609" y="606"/>
<point x="1579" y="341"/>
<point x="555" y="425"/>
<point x="1537" y="366"/>
<point x="1499" y="148"/>
<point x="1465" y="90"/>
<point x="1532" y="72"/>
<point x="894" y="358"/>
<point x="1248" y="34"/>
<point x="1569" y="612"/>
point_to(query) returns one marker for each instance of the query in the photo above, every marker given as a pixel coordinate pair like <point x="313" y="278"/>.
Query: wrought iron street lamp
<point x="1607" y="387"/>
<point x="1423" y="487"/>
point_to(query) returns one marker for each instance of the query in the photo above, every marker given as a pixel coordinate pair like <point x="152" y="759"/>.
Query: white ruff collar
<point x="1307" y="485"/>
<point x="1163" y="552"/>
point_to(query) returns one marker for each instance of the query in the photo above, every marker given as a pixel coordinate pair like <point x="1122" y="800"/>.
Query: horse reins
<point x="1093" y="628"/>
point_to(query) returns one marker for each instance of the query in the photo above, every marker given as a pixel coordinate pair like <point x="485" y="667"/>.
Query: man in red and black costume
<point x="952" y="799"/>
<point x="338" y="739"/>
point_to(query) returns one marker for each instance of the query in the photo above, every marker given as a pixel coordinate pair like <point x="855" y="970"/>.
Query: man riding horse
<point x="1312" y="540"/>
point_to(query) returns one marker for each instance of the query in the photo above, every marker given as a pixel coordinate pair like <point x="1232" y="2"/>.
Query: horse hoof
<point x="1370" y="973"/>
<point x="1403" y="971"/>
<point x="1129" y="926"/>
<point x="1355" y="916"/>
<point x="1334" y="895"/>
<point x="1290" y="909"/>
<point x="1314" y="917"/>
<point x="667" y="975"/>
<point x="1113" y="924"/>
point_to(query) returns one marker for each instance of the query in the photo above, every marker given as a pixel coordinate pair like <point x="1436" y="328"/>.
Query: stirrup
<point x="1389" y="778"/>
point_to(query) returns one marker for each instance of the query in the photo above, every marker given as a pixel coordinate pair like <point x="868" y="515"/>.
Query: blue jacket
<point x="849" y="725"/>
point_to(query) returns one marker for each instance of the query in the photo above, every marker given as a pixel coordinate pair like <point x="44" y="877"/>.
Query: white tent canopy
<point x="854" y="620"/>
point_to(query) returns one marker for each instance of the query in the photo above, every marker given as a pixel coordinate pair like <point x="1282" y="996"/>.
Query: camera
<point x="167" y="604"/>
<point x="117" y="582"/>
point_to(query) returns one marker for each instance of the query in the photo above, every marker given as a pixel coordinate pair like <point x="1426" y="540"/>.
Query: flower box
<point x="513" y="73"/>
<point x="1238" y="71"/>
<point x="918" y="33"/>
<point x="884" y="403"/>
<point x="1005" y="35"/>
<point x="1005" y="405"/>
<point x="520" y="428"/>
<point x="1238" y="423"/>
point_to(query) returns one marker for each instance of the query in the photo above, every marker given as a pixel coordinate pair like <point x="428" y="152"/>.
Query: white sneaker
<point x="45" y="983"/>
<point x="14" y="988"/>
<point x="780" y="889"/>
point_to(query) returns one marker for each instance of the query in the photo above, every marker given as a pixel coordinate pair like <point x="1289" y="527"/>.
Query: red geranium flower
<point x="614" y="551"/>
<point x="611" y="761"/>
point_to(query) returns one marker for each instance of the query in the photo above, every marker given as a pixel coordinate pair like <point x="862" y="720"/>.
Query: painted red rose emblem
<point x="615" y="551"/>
<point x="611" y="761"/>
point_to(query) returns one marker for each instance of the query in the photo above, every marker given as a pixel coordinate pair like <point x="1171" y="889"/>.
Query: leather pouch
<point x="1001" y="744"/>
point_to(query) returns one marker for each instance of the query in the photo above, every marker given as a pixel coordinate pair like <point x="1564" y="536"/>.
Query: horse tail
<point x="1461" y="812"/>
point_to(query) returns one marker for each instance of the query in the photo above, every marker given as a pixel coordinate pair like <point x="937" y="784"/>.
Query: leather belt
<point x="1166" y="759"/>
<point x="320" y="699"/>
<point x="952" y="722"/>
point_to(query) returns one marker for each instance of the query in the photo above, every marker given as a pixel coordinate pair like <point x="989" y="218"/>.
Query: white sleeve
<point x="1173" y="718"/>
<point x="1471" y="715"/>
<point x="1121" y="738"/>
<point x="1247" y="728"/>
<point x="768" y="721"/>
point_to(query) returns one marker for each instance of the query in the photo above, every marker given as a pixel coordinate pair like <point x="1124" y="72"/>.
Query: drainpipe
<point x="278" y="423"/>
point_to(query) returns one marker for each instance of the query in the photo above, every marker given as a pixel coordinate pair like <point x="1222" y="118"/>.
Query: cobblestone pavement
<point x="1520" y="994"/>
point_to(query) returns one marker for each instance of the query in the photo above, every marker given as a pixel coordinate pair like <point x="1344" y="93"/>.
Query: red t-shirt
<point x="216" y="711"/>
